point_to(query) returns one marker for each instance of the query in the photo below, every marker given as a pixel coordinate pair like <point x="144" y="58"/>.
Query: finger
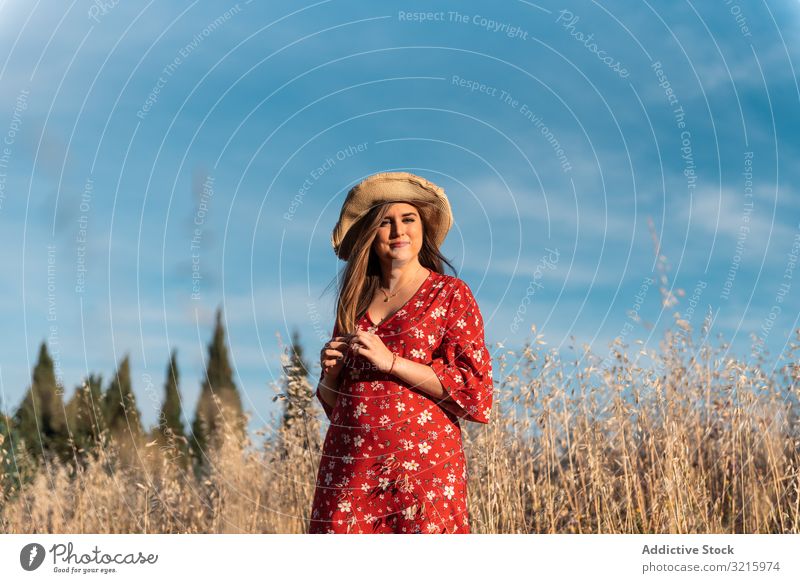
<point x="369" y="340"/>
<point x="362" y="337"/>
<point x="344" y="349"/>
<point x="369" y="335"/>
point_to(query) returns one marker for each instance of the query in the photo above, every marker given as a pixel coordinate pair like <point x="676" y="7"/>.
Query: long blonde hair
<point x="361" y="276"/>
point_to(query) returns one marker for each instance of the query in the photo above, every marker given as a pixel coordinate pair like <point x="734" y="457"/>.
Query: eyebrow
<point x="411" y="214"/>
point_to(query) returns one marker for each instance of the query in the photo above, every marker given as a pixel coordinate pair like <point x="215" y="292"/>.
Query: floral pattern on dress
<point x="392" y="460"/>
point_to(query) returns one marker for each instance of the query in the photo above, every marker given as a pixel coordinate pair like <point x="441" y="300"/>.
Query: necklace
<point x="397" y="292"/>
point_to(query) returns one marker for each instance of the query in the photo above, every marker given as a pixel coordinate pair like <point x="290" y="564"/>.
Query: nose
<point x="398" y="229"/>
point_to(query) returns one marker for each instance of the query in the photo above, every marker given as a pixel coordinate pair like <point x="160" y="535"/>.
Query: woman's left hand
<point x="371" y="347"/>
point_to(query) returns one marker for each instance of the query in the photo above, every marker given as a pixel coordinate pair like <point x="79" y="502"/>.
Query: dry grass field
<point x="694" y="441"/>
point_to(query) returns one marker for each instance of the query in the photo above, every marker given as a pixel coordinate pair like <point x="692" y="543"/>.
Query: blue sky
<point x="147" y="142"/>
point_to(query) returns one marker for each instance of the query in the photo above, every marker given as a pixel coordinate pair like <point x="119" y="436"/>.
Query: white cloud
<point x="723" y="213"/>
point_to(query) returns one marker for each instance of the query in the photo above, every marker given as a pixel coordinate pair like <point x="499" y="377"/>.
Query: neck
<point x="397" y="274"/>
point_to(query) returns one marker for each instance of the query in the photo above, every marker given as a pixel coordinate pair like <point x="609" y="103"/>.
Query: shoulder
<point x="458" y="306"/>
<point x="447" y="283"/>
<point x="453" y="287"/>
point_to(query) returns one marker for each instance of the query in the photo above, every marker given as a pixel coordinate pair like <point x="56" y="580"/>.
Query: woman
<point x="406" y="362"/>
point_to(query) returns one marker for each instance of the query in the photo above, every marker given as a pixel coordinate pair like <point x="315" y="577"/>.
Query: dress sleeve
<point x="327" y="408"/>
<point x="461" y="362"/>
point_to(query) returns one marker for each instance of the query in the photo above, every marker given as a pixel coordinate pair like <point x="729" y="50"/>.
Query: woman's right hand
<point x="332" y="356"/>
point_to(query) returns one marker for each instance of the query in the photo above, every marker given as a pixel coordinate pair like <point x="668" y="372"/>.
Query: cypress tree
<point x="85" y="412"/>
<point x="170" y="419"/>
<point x="218" y="383"/>
<point x="170" y="434"/>
<point x="41" y="420"/>
<point x="299" y="424"/>
<point x="122" y="415"/>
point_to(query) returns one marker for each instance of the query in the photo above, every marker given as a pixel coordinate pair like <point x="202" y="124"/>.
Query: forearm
<point x="421" y="376"/>
<point x="328" y="388"/>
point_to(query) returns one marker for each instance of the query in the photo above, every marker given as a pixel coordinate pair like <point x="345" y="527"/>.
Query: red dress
<point x="392" y="461"/>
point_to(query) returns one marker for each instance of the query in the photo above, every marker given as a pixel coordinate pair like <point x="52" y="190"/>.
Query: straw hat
<point x="429" y="198"/>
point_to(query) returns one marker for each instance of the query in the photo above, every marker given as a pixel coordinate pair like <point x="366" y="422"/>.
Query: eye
<point x="405" y="220"/>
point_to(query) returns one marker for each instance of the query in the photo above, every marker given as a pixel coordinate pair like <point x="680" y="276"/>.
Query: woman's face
<point x="400" y="233"/>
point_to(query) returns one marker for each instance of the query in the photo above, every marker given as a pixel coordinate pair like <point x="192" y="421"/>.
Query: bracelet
<point x="394" y="358"/>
